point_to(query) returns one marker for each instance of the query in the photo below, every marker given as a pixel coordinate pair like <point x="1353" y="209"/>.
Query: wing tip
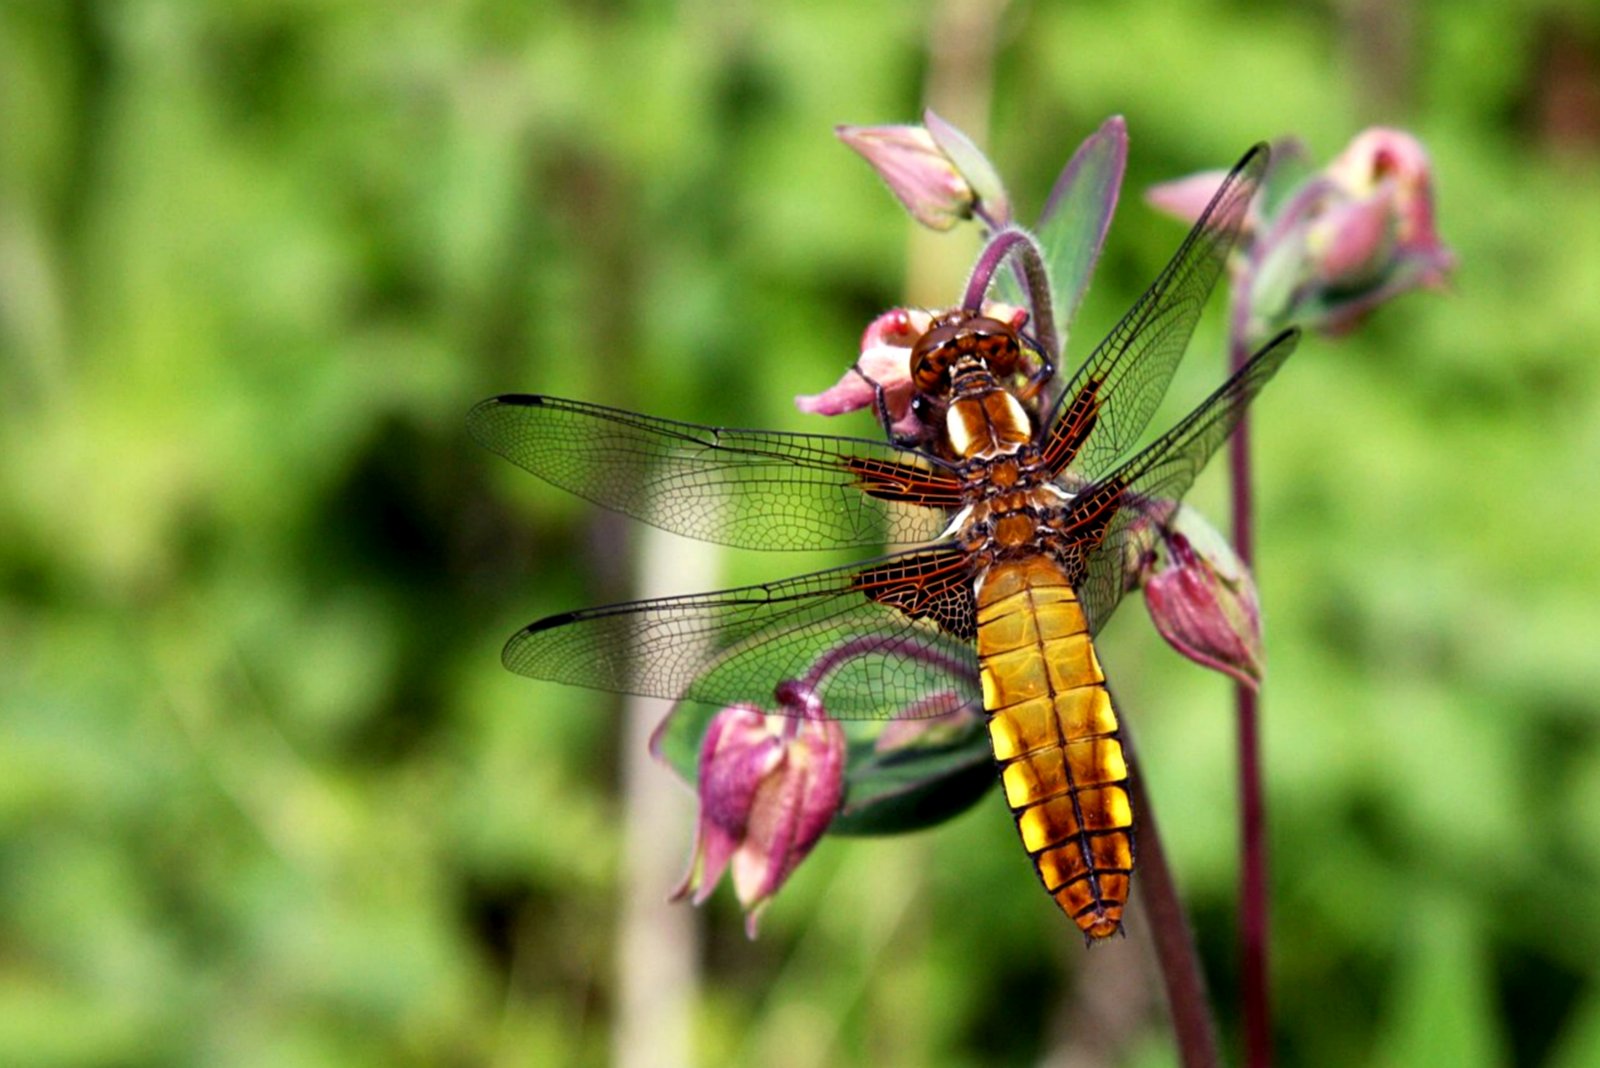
<point x="507" y="400"/>
<point x="513" y="655"/>
<point x="1283" y="343"/>
<point x="480" y="417"/>
<point x="508" y="657"/>
<point x="1252" y="166"/>
<point x="560" y="619"/>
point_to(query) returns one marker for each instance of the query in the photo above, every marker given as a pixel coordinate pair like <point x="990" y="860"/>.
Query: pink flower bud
<point x="1204" y="604"/>
<point x="916" y="170"/>
<point x="1351" y="238"/>
<point x="766" y="797"/>
<point x="1352" y="241"/>
<point x="1185" y="198"/>
<point x="1378" y="157"/>
<point x="988" y="192"/>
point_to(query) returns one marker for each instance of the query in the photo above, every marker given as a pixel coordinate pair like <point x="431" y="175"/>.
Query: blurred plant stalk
<point x="657" y="960"/>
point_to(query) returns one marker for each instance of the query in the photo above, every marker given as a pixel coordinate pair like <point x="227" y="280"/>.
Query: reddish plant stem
<point x="1181" y="975"/>
<point x="1023" y="251"/>
<point x="1253" y="925"/>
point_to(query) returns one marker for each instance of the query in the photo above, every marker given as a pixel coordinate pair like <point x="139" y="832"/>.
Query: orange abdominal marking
<point x="1054" y="734"/>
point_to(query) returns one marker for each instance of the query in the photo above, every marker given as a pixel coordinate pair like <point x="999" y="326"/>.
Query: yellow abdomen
<point x="1055" y="738"/>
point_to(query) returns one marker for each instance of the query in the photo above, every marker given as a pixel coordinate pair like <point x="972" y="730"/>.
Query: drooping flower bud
<point x="1204" y="603"/>
<point x="1186" y="198"/>
<point x="975" y="168"/>
<point x="916" y="170"/>
<point x="1343" y="241"/>
<point x="1380" y="157"/>
<point x="766" y="795"/>
<point x="1352" y="237"/>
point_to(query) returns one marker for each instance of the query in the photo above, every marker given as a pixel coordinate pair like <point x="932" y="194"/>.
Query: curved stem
<point x="1008" y="243"/>
<point x="837" y="656"/>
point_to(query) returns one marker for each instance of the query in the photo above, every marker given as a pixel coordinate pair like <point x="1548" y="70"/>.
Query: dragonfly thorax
<point x="987" y="424"/>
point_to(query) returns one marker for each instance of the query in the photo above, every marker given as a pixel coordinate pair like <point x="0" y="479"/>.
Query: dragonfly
<point x="1012" y="519"/>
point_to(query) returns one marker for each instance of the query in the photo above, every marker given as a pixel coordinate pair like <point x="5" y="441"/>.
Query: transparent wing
<point x="748" y="488"/>
<point x="1110" y="399"/>
<point x="872" y="642"/>
<point x="1145" y="490"/>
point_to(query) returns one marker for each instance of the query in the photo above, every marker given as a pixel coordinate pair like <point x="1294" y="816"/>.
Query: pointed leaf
<point x="1073" y="227"/>
<point x="910" y="790"/>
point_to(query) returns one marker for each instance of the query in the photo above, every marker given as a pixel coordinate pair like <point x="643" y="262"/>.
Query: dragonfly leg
<point x="880" y="407"/>
<point x="880" y="401"/>
<point x="1039" y="379"/>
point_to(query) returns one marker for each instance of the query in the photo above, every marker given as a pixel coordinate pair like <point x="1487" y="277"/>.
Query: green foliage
<point x="266" y="795"/>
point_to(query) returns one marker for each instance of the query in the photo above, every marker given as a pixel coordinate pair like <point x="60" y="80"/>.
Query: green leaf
<point x="908" y="790"/>
<point x="1072" y="229"/>
<point x="676" y="742"/>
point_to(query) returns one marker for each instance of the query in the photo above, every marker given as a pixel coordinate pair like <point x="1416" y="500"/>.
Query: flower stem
<point x="1253" y="925"/>
<point x="1017" y="243"/>
<point x="1181" y="975"/>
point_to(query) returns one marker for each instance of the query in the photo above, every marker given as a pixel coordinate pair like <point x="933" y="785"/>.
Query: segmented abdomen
<point x="1055" y="738"/>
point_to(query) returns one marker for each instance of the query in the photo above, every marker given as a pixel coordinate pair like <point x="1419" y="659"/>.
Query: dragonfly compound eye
<point x="995" y="343"/>
<point x="930" y="362"/>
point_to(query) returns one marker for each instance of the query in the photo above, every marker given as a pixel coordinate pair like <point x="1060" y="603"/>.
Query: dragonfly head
<point x="959" y="342"/>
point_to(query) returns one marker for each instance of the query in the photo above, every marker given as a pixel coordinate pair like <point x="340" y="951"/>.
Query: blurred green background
<point x="266" y="795"/>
